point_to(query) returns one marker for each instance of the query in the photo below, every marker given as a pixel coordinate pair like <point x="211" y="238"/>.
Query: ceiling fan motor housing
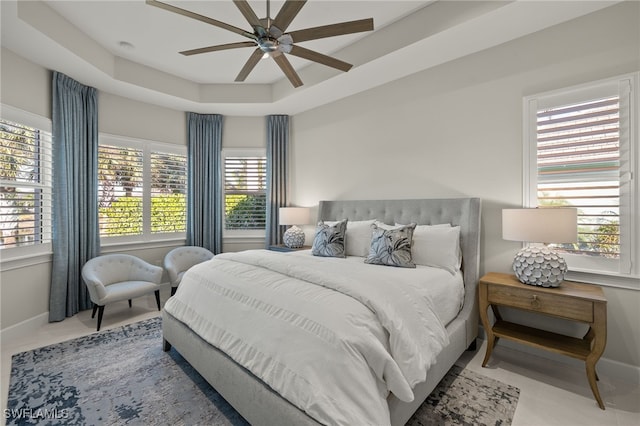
<point x="268" y="44"/>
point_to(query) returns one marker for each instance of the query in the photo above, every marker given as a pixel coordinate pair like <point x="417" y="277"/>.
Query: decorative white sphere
<point x="539" y="266"/>
<point x="293" y="237"/>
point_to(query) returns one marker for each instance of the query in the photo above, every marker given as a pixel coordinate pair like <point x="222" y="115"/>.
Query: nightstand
<point x="572" y="301"/>
<point x="283" y="248"/>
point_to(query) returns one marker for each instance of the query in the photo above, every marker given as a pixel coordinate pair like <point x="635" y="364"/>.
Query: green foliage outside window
<point x="124" y="215"/>
<point x="601" y="239"/>
<point x="24" y="194"/>
<point x="168" y="213"/>
<point x="245" y="211"/>
<point x="605" y="239"/>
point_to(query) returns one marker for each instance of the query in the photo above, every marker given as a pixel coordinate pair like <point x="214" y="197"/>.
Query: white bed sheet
<point x="288" y="317"/>
<point x="444" y="288"/>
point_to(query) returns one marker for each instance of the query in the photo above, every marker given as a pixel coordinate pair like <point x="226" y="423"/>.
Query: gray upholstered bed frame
<point x="262" y="406"/>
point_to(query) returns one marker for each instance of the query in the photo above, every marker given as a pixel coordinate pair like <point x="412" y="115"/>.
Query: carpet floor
<point x="122" y="376"/>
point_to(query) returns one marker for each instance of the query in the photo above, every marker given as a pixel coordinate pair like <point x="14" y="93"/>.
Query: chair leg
<point x="129" y="302"/>
<point x="157" y="293"/>
<point x="100" y="312"/>
<point x="95" y="308"/>
<point x="173" y="290"/>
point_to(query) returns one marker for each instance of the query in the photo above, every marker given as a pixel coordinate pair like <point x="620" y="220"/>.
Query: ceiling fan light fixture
<point x="271" y="39"/>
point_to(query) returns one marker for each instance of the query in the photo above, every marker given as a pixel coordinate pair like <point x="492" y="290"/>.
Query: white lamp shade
<point x="541" y="225"/>
<point x="293" y="215"/>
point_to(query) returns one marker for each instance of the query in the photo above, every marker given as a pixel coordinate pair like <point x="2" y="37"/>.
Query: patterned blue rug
<point x="122" y="376"/>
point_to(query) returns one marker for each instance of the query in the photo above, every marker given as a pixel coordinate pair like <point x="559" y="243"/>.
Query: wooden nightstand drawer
<point x="536" y="301"/>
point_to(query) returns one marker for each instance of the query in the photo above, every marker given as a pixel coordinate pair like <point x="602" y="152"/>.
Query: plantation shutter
<point x="168" y="192"/>
<point x="120" y="190"/>
<point x="582" y="160"/>
<point x="25" y="182"/>
<point x="579" y="164"/>
<point x="245" y="192"/>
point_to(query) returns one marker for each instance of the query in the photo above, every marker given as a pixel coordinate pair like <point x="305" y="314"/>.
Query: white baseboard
<point x="31" y="325"/>
<point x="10" y="334"/>
<point x="606" y="367"/>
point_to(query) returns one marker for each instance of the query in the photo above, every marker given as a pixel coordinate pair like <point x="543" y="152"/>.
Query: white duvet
<point x="332" y="336"/>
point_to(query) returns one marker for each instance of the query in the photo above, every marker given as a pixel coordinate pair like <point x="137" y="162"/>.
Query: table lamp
<point x="294" y="236"/>
<point x="540" y="265"/>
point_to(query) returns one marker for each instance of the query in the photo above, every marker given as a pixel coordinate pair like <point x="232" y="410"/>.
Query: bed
<point x="255" y="400"/>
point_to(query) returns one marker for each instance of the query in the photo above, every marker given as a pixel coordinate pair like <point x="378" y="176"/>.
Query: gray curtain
<point x="277" y="175"/>
<point x="204" y="169"/>
<point x="75" y="196"/>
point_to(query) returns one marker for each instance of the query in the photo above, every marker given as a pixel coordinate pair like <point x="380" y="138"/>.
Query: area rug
<point x="122" y="376"/>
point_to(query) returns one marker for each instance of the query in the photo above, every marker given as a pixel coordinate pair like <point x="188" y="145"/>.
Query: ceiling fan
<point x="269" y="36"/>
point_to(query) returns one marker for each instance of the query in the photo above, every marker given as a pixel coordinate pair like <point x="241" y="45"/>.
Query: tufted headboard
<point x="463" y="212"/>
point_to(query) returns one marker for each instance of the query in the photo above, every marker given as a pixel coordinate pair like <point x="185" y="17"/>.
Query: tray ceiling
<point x="131" y="49"/>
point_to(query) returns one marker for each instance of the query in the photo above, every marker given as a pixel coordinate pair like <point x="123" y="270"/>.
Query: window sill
<point x="140" y="245"/>
<point x="25" y="261"/>
<point x="240" y="237"/>
<point x="628" y="282"/>
<point x="243" y="235"/>
<point x="11" y="262"/>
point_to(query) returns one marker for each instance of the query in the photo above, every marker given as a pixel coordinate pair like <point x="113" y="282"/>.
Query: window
<point x="168" y="192"/>
<point x="25" y="188"/>
<point x="245" y="177"/>
<point x="579" y="152"/>
<point x="141" y="189"/>
<point x="120" y="190"/>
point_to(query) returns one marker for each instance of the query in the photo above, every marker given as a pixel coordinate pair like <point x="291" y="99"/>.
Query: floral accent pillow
<point x="329" y="240"/>
<point x="391" y="247"/>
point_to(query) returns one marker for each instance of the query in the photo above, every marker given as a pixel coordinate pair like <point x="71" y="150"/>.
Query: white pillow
<point x="386" y="227"/>
<point x="358" y="237"/>
<point x="439" y="225"/>
<point x="437" y="245"/>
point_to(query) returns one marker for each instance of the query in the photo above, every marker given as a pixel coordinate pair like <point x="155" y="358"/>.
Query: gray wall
<point x="24" y="285"/>
<point x="454" y="130"/>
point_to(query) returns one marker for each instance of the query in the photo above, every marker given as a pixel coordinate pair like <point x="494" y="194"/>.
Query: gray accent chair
<point x="180" y="259"/>
<point x="115" y="277"/>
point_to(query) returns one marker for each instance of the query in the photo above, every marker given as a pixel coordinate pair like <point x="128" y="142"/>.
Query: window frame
<point x="249" y="234"/>
<point x="41" y="123"/>
<point x="147" y="147"/>
<point x="586" y="269"/>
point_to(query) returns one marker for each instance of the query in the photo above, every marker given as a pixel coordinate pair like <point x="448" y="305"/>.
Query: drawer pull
<point x="535" y="302"/>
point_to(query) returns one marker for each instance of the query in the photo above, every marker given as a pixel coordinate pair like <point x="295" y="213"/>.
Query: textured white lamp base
<point x="293" y="237"/>
<point x="539" y="266"/>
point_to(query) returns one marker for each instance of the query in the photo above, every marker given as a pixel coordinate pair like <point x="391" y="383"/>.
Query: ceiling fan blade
<point x="250" y="64"/>
<point x="248" y="13"/>
<point x="286" y="14"/>
<point x="286" y="68"/>
<point x="218" y="47"/>
<point x="332" y="30"/>
<point x="311" y="55"/>
<point x="202" y="18"/>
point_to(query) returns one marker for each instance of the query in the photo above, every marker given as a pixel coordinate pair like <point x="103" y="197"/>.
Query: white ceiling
<point x="158" y="35"/>
<point x="82" y="38"/>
